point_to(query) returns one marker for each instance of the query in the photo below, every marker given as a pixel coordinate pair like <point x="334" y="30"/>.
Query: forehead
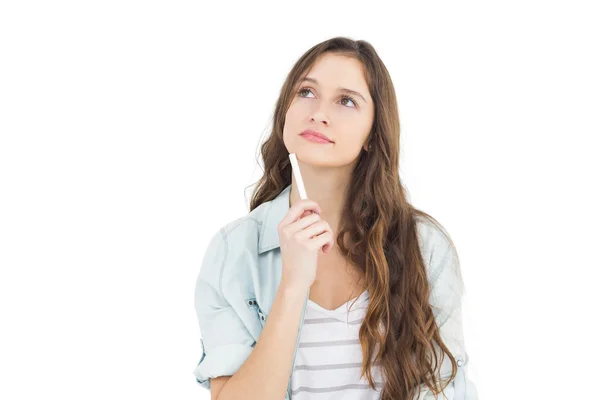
<point x="332" y="71"/>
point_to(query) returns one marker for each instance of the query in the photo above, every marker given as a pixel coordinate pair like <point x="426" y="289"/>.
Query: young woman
<point x="353" y="293"/>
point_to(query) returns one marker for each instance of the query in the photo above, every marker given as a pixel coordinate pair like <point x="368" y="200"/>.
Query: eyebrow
<point x="341" y="89"/>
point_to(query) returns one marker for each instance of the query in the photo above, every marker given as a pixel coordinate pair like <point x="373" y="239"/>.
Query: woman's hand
<point x="302" y="234"/>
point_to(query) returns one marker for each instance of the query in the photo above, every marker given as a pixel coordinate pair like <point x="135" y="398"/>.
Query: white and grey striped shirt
<point x="329" y="356"/>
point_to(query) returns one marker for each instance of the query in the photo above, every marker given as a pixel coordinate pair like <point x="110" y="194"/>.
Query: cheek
<point x="298" y="107"/>
<point x="351" y="144"/>
<point x="292" y="113"/>
<point x="294" y="117"/>
<point x="291" y="123"/>
<point x="355" y="129"/>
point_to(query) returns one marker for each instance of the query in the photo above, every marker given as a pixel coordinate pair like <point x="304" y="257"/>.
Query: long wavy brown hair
<point x="378" y="233"/>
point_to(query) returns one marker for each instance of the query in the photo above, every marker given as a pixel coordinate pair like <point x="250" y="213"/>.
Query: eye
<point x="303" y="90"/>
<point x="347" y="98"/>
<point x="350" y="99"/>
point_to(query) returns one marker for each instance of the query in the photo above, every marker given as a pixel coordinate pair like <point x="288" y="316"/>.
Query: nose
<point x="318" y="112"/>
<point x="319" y="117"/>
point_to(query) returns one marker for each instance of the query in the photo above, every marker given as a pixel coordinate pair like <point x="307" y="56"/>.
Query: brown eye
<point x="346" y="98"/>
<point x="349" y="99"/>
<point x="303" y="90"/>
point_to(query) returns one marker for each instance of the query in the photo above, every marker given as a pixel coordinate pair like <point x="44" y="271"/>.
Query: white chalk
<point x="298" y="176"/>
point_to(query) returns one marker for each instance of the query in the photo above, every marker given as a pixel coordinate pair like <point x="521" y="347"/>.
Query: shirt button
<point x="460" y="362"/>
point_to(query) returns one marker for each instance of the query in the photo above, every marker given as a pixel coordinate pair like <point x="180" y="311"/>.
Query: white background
<point x="130" y="133"/>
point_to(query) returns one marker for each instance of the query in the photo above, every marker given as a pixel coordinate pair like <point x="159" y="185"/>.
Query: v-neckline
<point x="344" y="307"/>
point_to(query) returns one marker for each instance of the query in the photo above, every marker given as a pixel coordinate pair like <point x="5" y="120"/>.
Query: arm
<point x="259" y="372"/>
<point x="446" y="300"/>
<point x="266" y="373"/>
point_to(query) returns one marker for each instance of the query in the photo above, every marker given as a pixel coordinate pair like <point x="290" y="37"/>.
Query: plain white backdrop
<point x="130" y="133"/>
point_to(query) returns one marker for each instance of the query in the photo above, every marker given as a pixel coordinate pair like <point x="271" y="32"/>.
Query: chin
<point x="316" y="158"/>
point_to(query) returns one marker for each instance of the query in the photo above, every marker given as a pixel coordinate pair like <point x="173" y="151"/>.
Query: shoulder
<point x="437" y="248"/>
<point x="434" y="239"/>
<point x="231" y="241"/>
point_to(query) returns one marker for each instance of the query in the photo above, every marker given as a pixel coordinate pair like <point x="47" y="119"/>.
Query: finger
<point x="307" y="212"/>
<point x="313" y="229"/>
<point x="304" y="222"/>
<point x="298" y="209"/>
<point x="323" y="240"/>
<point x="328" y="246"/>
<point x="304" y="214"/>
<point x="317" y="230"/>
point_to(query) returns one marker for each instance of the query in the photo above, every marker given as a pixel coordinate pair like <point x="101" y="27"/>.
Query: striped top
<point x="329" y="357"/>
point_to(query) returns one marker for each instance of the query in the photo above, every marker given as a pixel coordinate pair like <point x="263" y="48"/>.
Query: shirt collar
<point x="277" y="208"/>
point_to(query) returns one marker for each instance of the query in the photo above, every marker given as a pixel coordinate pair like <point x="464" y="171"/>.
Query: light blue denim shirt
<point x="240" y="274"/>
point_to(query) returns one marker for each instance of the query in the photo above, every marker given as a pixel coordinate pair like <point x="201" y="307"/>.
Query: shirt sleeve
<point x="226" y="343"/>
<point x="446" y="302"/>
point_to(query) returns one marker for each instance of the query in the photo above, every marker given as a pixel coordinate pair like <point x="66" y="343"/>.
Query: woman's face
<point x="321" y="104"/>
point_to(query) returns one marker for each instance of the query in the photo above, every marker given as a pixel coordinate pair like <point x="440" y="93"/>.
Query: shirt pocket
<point x="256" y="311"/>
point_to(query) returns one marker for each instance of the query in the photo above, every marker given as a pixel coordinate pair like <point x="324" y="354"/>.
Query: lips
<point x="308" y="133"/>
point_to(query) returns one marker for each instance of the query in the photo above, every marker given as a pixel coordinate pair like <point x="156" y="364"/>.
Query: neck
<point x="327" y="187"/>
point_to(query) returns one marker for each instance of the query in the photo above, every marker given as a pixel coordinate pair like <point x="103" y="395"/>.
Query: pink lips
<point x="315" y="136"/>
<point x="315" y="139"/>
